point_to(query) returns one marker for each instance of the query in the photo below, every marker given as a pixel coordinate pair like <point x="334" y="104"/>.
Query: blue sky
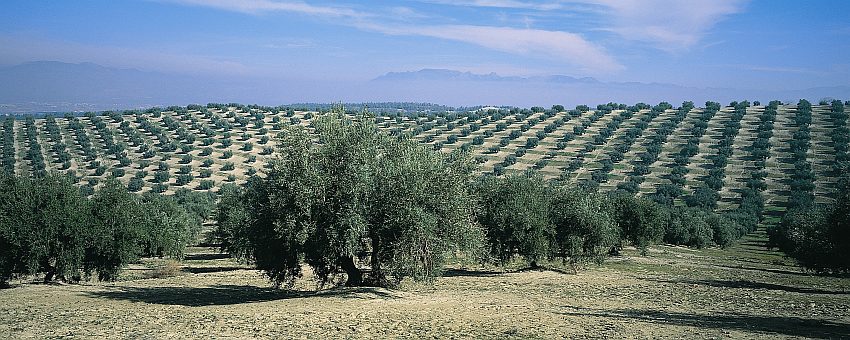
<point x="774" y="45"/>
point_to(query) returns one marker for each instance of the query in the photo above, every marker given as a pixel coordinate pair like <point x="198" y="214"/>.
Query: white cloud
<point x="555" y="45"/>
<point x="561" y="46"/>
<point x="671" y="25"/>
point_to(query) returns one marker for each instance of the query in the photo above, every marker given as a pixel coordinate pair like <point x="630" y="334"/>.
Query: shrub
<point x="666" y="193"/>
<point x="629" y="187"/>
<point x="498" y="169"/>
<point x="520" y="152"/>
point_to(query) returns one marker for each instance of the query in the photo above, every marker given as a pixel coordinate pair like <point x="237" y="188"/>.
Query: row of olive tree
<point x="8" y="144"/>
<point x="351" y="200"/>
<point x="48" y="227"/>
<point x="528" y="217"/>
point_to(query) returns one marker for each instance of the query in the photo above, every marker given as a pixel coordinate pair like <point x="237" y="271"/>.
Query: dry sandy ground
<point x="745" y="292"/>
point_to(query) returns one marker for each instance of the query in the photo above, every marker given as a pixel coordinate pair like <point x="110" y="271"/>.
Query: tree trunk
<point x="377" y="275"/>
<point x="355" y="277"/>
<point x="49" y="275"/>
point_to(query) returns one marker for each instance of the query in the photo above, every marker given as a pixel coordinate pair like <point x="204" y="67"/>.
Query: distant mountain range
<point x="50" y="86"/>
<point x="452" y="75"/>
<point x="541" y="90"/>
<point x="58" y="86"/>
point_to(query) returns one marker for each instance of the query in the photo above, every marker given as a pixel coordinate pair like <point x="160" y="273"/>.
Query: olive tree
<point x="690" y="227"/>
<point x="585" y="227"/>
<point x="514" y="212"/>
<point x="42" y="227"/>
<point x="818" y="237"/>
<point x="349" y="197"/>
<point x="641" y="220"/>
<point x="114" y="230"/>
<point x="48" y="227"/>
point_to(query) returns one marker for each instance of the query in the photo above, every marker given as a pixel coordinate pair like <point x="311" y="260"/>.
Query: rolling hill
<point x="642" y="148"/>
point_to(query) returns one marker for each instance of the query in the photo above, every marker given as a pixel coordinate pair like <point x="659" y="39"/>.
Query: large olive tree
<point x="348" y="198"/>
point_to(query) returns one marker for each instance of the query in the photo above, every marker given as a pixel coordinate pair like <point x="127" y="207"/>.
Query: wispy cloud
<point x="264" y="6"/>
<point x="565" y="47"/>
<point x="671" y="25"/>
<point x="554" y="45"/>
<point x="17" y="49"/>
<point x="536" y="5"/>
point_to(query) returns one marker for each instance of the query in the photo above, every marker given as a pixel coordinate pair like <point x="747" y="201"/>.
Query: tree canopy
<point x="353" y="198"/>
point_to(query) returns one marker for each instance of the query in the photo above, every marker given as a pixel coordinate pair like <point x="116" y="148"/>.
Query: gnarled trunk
<point x="355" y="277"/>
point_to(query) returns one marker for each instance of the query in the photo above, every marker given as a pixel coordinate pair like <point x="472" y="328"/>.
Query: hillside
<point x="201" y="148"/>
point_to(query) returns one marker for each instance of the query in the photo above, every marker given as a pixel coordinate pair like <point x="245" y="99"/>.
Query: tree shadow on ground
<point x="472" y="273"/>
<point x="490" y="273"/>
<point x="767" y="270"/>
<point x="788" y="326"/>
<point x="229" y="294"/>
<point x="206" y="256"/>
<point x="204" y="270"/>
<point x="747" y="284"/>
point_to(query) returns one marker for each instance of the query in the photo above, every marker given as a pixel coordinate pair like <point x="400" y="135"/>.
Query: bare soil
<point x="742" y="292"/>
